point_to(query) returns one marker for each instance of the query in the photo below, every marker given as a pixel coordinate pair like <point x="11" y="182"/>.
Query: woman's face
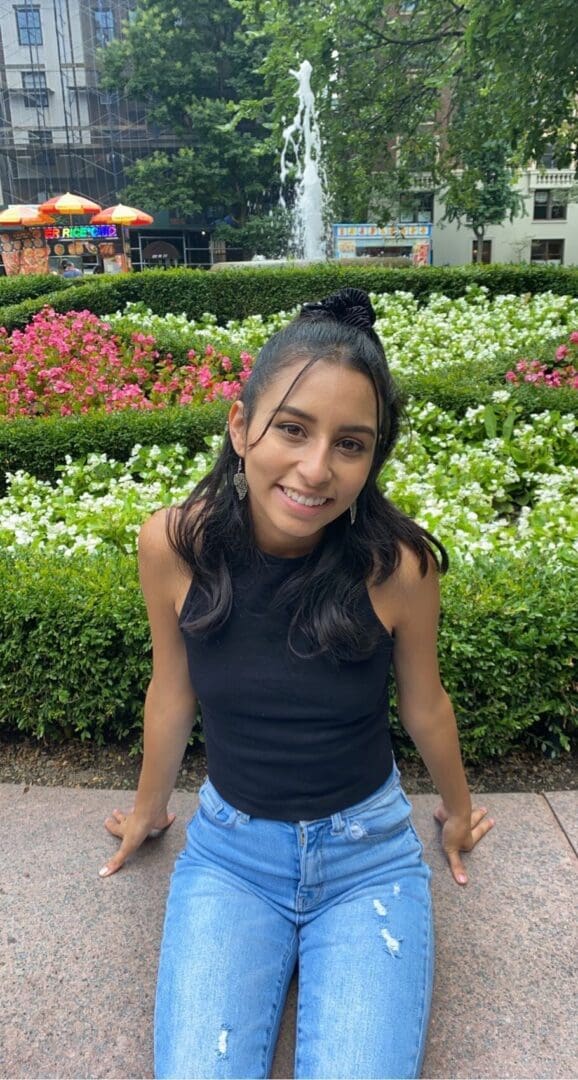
<point x="319" y="447"/>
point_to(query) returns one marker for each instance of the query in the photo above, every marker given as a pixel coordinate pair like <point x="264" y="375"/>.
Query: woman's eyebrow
<point x="360" y="428"/>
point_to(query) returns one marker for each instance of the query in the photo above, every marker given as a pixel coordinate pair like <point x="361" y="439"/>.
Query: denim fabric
<point x="346" y="897"/>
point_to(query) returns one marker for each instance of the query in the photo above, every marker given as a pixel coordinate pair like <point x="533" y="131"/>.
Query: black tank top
<point x="287" y="738"/>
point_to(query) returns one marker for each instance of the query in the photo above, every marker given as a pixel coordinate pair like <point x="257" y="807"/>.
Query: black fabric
<point x="289" y="739"/>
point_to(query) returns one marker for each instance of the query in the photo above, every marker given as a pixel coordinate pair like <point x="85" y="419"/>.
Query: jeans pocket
<point x="214" y="808"/>
<point x="380" y="818"/>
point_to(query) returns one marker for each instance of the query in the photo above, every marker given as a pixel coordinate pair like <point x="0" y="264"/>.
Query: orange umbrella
<point x="69" y="204"/>
<point x="24" y="216"/>
<point x="121" y="215"/>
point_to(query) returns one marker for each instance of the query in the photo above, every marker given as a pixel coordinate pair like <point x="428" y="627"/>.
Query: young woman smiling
<point x="281" y="595"/>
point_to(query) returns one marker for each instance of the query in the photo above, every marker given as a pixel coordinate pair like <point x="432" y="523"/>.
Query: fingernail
<point x="104" y="871"/>
<point x="462" y="879"/>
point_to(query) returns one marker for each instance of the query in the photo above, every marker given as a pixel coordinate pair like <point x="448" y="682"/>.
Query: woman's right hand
<point x="132" y="829"/>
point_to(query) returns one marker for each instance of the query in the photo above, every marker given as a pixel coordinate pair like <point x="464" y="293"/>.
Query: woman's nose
<point x="315" y="466"/>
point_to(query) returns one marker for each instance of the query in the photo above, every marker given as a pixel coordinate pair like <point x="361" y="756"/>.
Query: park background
<point x="113" y="391"/>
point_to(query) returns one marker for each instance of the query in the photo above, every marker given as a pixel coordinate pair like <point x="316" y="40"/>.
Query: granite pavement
<point x="78" y="953"/>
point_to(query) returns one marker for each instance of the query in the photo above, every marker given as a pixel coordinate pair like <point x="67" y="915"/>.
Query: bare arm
<point x="425" y="709"/>
<point x="170" y="703"/>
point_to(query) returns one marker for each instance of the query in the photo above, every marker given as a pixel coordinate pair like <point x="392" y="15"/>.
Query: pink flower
<point x="573" y="339"/>
<point x="562" y="351"/>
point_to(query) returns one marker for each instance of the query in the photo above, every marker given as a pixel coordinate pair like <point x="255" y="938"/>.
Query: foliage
<point x="268" y="236"/>
<point x="39" y="448"/>
<point x="19" y="287"/>
<point x="75" y="654"/>
<point x="389" y="84"/>
<point x="74" y="364"/>
<point x="189" y="65"/>
<point x="236" y="294"/>
<point x="556" y="371"/>
<point x="479" y="189"/>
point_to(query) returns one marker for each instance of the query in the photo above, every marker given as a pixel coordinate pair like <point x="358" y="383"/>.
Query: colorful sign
<point x="358" y="240"/>
<point x="81" y="232"/>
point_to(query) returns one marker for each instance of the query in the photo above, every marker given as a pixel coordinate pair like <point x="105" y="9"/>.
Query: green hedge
<point x="14" y="290"/>
<point x="75" y="652"/>
<point x="234" y="294"/>
<point x="38" y="446"/>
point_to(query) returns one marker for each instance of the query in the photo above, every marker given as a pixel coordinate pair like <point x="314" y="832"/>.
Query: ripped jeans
<point x="346" y="897"/>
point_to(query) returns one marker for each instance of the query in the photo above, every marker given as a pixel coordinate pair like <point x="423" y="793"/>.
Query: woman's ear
<point x="237" y="427"/>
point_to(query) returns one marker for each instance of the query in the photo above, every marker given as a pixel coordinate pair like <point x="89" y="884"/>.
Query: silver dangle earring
<point x="240" y="481"/>
<point x="353" y="511"/>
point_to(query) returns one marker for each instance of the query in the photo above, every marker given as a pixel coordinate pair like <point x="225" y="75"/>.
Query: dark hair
<point x="324" y="590"/>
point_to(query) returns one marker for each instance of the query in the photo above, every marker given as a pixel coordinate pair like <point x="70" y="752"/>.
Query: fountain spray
<point x="308" y="226"/>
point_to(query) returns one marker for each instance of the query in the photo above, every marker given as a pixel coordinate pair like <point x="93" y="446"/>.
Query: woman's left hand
<point x="458" y="835"/>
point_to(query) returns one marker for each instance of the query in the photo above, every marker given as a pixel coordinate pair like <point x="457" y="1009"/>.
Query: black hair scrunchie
<point x="350" y="306"/>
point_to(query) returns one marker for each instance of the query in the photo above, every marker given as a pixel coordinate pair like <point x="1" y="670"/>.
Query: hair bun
<point x="350" y="306"/>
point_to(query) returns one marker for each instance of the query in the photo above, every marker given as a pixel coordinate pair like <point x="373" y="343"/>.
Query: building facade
<point x="61" y="131"/>
<point x="547" y="233"/>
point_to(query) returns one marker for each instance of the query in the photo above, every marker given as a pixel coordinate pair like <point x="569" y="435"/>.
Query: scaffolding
<point x="92" y="135"/>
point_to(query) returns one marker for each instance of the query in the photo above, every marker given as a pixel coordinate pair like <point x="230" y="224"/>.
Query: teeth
<point x="296" y="497"/>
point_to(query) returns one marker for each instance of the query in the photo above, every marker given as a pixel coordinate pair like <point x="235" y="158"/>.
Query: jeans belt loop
<point x="337" y="823"/>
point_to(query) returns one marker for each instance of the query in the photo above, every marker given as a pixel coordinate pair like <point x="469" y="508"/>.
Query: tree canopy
<point x="391" y="83"/>
<point x="190" y="66"/>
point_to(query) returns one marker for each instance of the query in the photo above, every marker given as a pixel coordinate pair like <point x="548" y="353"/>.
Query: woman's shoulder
<point x="398" y="592"/>
<point x="164" y="525"/>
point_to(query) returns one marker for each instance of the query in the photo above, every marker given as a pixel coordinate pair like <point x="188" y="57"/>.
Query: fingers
<point x="457" y="868"/>
<point x="114" y="863"/>
<point x="116" y="822"/>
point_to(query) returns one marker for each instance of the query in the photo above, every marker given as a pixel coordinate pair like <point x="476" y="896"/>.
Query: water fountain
<point x="309" y="239"/>
<point x="302" y="138"/>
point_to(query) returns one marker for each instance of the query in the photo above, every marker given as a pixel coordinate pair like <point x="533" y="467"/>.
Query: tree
<point x="190" y="66"/>
<point x="390" y="83"/>
<point x="481" y="192"/>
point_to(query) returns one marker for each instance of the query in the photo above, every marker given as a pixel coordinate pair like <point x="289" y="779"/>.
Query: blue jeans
<point x="346" y="897"/>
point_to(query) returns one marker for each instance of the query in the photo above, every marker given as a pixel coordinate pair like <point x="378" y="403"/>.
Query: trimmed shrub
<point x="38" y="446"/>
<point x="74" y="648"/>
<point x="234" y="294"/>
<point x="508" y="647"/>
<point x="75" y="654"/>
<point x="20" y="287"/>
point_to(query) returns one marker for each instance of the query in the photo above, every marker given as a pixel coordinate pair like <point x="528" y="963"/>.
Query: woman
<point x="283" y="590"/>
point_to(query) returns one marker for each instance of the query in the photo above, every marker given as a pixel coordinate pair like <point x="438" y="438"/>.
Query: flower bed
<point x="494" y="481"/>
<point x="76" y="363"/>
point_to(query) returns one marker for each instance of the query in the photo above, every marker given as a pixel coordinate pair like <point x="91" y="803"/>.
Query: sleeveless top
<point x="287" y="738"/>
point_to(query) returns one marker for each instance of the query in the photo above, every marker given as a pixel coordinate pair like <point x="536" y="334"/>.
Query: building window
<point x="29" y="26"/>
<point x="548" y="206"/>
<point x="35" y="83"/>
<point x="40" y="137"/>
<point x="486" y="251"/>
<point x="103" y="26"/>
<point x="416" y="206"/>
<point x="548" y="161"/>
<point x="547" y="251"/>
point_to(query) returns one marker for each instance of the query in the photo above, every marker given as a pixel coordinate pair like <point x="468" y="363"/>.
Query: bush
<point x="20" y="287"/>
<point x="39" y="446"/>
<point x="234" y="294"/>
<point x="508" y="647"/>
<point x="74" y="648"/>
<point x="75" y="652"/>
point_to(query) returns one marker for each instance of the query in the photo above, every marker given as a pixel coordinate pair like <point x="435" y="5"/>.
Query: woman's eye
<point x="290" y="429"/>
<point x="352" y="446"/>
